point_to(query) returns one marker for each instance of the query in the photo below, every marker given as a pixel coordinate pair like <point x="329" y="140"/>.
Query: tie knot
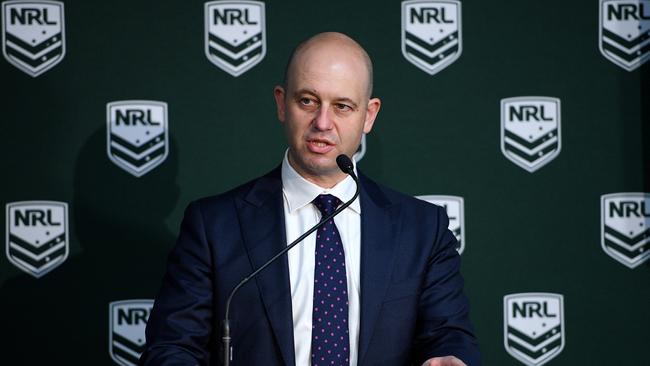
<point x="326" y="203"/>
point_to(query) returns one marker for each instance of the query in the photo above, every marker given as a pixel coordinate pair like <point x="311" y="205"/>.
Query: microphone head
<point x="345" y="164"/>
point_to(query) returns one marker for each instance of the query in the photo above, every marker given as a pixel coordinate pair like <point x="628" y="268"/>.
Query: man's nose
<point x="323" y="119"/>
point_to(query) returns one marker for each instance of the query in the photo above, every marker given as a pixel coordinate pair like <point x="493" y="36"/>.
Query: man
<point x="378" y="285"/>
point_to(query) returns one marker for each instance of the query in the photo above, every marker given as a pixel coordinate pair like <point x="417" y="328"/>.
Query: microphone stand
<point x="345" y="165"/>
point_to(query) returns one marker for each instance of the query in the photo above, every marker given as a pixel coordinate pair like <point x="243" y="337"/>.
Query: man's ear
<point x="371" y="113"/>
<point x="278" y="93"/>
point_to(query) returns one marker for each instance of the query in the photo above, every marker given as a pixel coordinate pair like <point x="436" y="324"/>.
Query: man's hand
<point x="444" y="361"/>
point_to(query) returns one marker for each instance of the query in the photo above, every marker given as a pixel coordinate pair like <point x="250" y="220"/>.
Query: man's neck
<point x="324" y="181"/>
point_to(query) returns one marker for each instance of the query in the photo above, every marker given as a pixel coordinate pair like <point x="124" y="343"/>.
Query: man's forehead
<point x="328" y="84"/>
<point x="320" y="72"/>
<point x="333" y="54"/>
<point x="330" y="53"/>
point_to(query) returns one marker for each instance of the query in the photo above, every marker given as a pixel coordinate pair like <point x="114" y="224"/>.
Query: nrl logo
<point x="137" y="138"/>
<point x="625" y="227"/>
<point x="530" y="131"/>
<point x="361" y="150"/>
<point x="624" y="32"/>
<point x="127" y="323"/>
<point x="431" y="33"/>
<point x="33" y="37"/>
<point x="235" y="35"/>
<point x="37" y="235"/>
<point x="455" y="207"/>
<point x="533" y="326"/>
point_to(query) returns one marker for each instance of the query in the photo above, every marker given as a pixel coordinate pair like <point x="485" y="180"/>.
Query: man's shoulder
<point x="253" y="189"/>
<point x="395" y="197"/>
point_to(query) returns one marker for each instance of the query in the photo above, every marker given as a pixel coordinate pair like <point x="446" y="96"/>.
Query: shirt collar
<point x="300" y="192"/>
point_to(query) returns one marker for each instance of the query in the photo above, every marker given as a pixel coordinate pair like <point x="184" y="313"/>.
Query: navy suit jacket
<point x="412" y="301"/>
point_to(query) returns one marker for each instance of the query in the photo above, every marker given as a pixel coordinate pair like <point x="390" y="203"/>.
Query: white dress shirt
<point x="299" y="216"/>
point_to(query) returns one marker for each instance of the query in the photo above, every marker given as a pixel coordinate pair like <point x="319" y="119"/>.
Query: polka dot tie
<point x="330" y="340"/>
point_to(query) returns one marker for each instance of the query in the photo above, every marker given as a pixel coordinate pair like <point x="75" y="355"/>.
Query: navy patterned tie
<point x="330" y="340"/>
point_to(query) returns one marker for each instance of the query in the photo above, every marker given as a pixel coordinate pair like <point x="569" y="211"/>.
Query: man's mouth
<point x="319" y="143"/>
<point x="320" y="146"/>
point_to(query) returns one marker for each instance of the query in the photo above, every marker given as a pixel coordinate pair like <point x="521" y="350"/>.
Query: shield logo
<point x="431" y="33"/>
<point x="137" y="136"/>
<point x="361" y="150"/>
<point x="33" y="35"/>
<point x="455" y="207"/>
<point x="235" y="35"/>
<point x="624" y="32"/>
<point x="37" y="235"/>
<point x="533" y="326"/>
<point x="127" y="324"/>
<point x="530" y="131"/>
<point x="625" y="227"/>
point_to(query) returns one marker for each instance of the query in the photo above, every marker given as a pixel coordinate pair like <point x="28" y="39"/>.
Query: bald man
<point x="377" y="285"/>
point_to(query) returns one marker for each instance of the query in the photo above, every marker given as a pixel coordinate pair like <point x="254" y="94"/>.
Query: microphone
<point x="345" y="164"/>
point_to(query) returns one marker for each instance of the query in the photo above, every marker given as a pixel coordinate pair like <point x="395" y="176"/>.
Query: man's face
<point x="325" y="109"/>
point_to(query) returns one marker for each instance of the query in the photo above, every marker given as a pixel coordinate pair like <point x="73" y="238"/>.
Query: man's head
<point x="325" y="104"/>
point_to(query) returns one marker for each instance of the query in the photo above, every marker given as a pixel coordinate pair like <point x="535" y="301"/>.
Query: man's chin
<point x="327" y="168"/>
<point x="316" y="164"/>
<point x="321" y="167"/>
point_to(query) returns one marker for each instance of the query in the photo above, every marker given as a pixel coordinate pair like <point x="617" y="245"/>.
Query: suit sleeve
<point x="444" y="327"/>
<point x="179" y="329"/>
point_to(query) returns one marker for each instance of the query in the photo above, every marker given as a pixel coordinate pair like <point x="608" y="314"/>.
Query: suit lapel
<point x="379" y="226"/>
<point x="261" y="215"/>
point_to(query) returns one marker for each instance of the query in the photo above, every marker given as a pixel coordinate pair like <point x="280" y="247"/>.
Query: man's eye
<point x="343" y="107"/>
<point x="306" y="101"/>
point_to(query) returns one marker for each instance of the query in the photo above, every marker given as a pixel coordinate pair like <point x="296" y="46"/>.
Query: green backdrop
<point x="435" y="134"/>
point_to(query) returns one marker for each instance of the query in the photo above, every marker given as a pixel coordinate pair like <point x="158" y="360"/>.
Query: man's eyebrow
<point x="348" y="100"/>
<point x="313" y="92"/>
<point x="297" y="93"/>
